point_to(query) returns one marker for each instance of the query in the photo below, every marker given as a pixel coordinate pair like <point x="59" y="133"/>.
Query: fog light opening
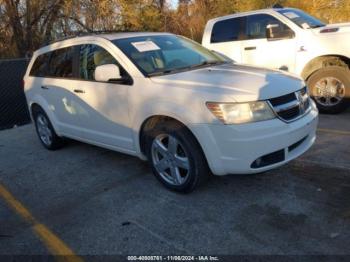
<point x="269" y="159"/>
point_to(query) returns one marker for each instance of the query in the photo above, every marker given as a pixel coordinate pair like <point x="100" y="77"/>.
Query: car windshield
<point x="166" y="54"/>
<point x="301" y="18"/>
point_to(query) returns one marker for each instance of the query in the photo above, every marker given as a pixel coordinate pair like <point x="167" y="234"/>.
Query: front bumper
<point x="233" y="149"/>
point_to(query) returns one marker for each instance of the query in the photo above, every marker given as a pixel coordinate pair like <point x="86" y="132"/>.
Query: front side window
<point x="256" y="25"/>
<point x="163" y="54"/>
<point x="226" y="30"/>
<point x="301" y="18"/>
<point x="92" y="56"/>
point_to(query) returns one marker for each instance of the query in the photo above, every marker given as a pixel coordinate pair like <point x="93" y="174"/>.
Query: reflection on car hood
<point x="243" y="83"/>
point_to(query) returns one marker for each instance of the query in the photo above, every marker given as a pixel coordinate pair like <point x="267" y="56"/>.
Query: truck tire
<point x="330" y="88"/>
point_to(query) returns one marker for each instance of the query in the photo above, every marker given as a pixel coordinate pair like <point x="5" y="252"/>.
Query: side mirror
<point x="277" y="31"/>
<point x="108" y="72"/>
<point x="272" y="30"/>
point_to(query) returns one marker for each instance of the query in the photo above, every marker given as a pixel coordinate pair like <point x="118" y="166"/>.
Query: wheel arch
<point x="324" y="61"/>
<point x="34" y="106"/>
<point x="151" y="121"/>
<point x="39" y="104"/>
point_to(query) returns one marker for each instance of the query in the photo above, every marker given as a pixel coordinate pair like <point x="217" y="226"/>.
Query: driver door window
<point x="256" y="26"/>
<point x="258" y="50"/>
<point x="92" y="56"/>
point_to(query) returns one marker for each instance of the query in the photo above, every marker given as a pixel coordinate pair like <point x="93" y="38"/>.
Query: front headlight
<point x="240" y="113"/>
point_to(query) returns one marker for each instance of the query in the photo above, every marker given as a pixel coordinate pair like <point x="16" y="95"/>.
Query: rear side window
<point x="40" y="66"/>
<point x="61" y="63"/>
<point x="226" y="30"/>
<point x="58" y="63"/>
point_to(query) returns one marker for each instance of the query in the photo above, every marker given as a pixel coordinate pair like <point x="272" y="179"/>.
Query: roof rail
<point x="84" y="33"/>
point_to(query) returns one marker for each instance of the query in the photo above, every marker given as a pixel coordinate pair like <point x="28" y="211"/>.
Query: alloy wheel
<point x="329" y="91"/>
<point x="44" y="130"/>
<point x="170" y="159"/>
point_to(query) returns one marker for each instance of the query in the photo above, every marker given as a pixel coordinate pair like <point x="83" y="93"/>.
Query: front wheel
<point x="330" y="88"/>
<point x="176" y="157"/>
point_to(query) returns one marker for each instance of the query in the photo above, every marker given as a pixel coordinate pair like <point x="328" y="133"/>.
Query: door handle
<point x="45" y="87"/>
<point x="250" y="48"/>
<point x="79" y="91"/>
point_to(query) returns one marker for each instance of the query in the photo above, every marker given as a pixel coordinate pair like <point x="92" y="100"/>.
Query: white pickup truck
<point x="291" y="40"/>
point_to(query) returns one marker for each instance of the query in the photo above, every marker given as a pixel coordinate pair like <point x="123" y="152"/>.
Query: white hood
<point x="240" y="82"/>
<point x="342" y="28"/>
<point x="331" y="42"/>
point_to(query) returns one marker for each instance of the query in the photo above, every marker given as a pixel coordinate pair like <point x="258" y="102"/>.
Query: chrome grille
<point x="291" y="106"/>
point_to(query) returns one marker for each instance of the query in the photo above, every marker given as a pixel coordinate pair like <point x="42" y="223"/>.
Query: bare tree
<point x="27" y="24"/>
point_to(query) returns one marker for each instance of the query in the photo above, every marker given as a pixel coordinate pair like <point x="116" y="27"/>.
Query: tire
<point x="182" y="166"/>
<point x="333" y="79"/>
<point x="45" y="131"/>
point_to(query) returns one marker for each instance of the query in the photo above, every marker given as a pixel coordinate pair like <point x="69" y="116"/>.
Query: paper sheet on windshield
<point x="145" y="46"/>
<point x="291" y="15"/>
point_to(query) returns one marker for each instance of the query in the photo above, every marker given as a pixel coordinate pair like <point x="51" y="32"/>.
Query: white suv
<point x="167" y="99"/>
<point x="291" y="40"/>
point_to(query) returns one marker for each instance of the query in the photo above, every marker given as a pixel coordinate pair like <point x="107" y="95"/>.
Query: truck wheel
<point x="330" y="88"/>
<point x="46" y="133"/>
<point x="175" y="156"/>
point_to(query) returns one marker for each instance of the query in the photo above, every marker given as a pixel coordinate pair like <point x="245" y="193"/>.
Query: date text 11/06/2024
<point x="172" y="258"/>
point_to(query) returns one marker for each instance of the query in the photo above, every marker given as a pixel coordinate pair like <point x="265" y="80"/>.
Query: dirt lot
<point x="87" y="200"/>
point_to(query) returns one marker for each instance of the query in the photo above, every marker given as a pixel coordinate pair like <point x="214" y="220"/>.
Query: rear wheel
<point x="330" y="88"/>
<point x="176" y="157"/>
<point x="45" y="130"/>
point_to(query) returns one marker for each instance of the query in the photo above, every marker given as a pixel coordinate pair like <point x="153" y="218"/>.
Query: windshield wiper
<point x="205" y="63"/>
<point x="317" y="26"/>
<point x="169" y="71"/>
<point x="159" y="73"/>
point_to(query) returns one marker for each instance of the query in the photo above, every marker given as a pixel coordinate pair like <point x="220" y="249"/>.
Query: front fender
<point x="160" y="108"/>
